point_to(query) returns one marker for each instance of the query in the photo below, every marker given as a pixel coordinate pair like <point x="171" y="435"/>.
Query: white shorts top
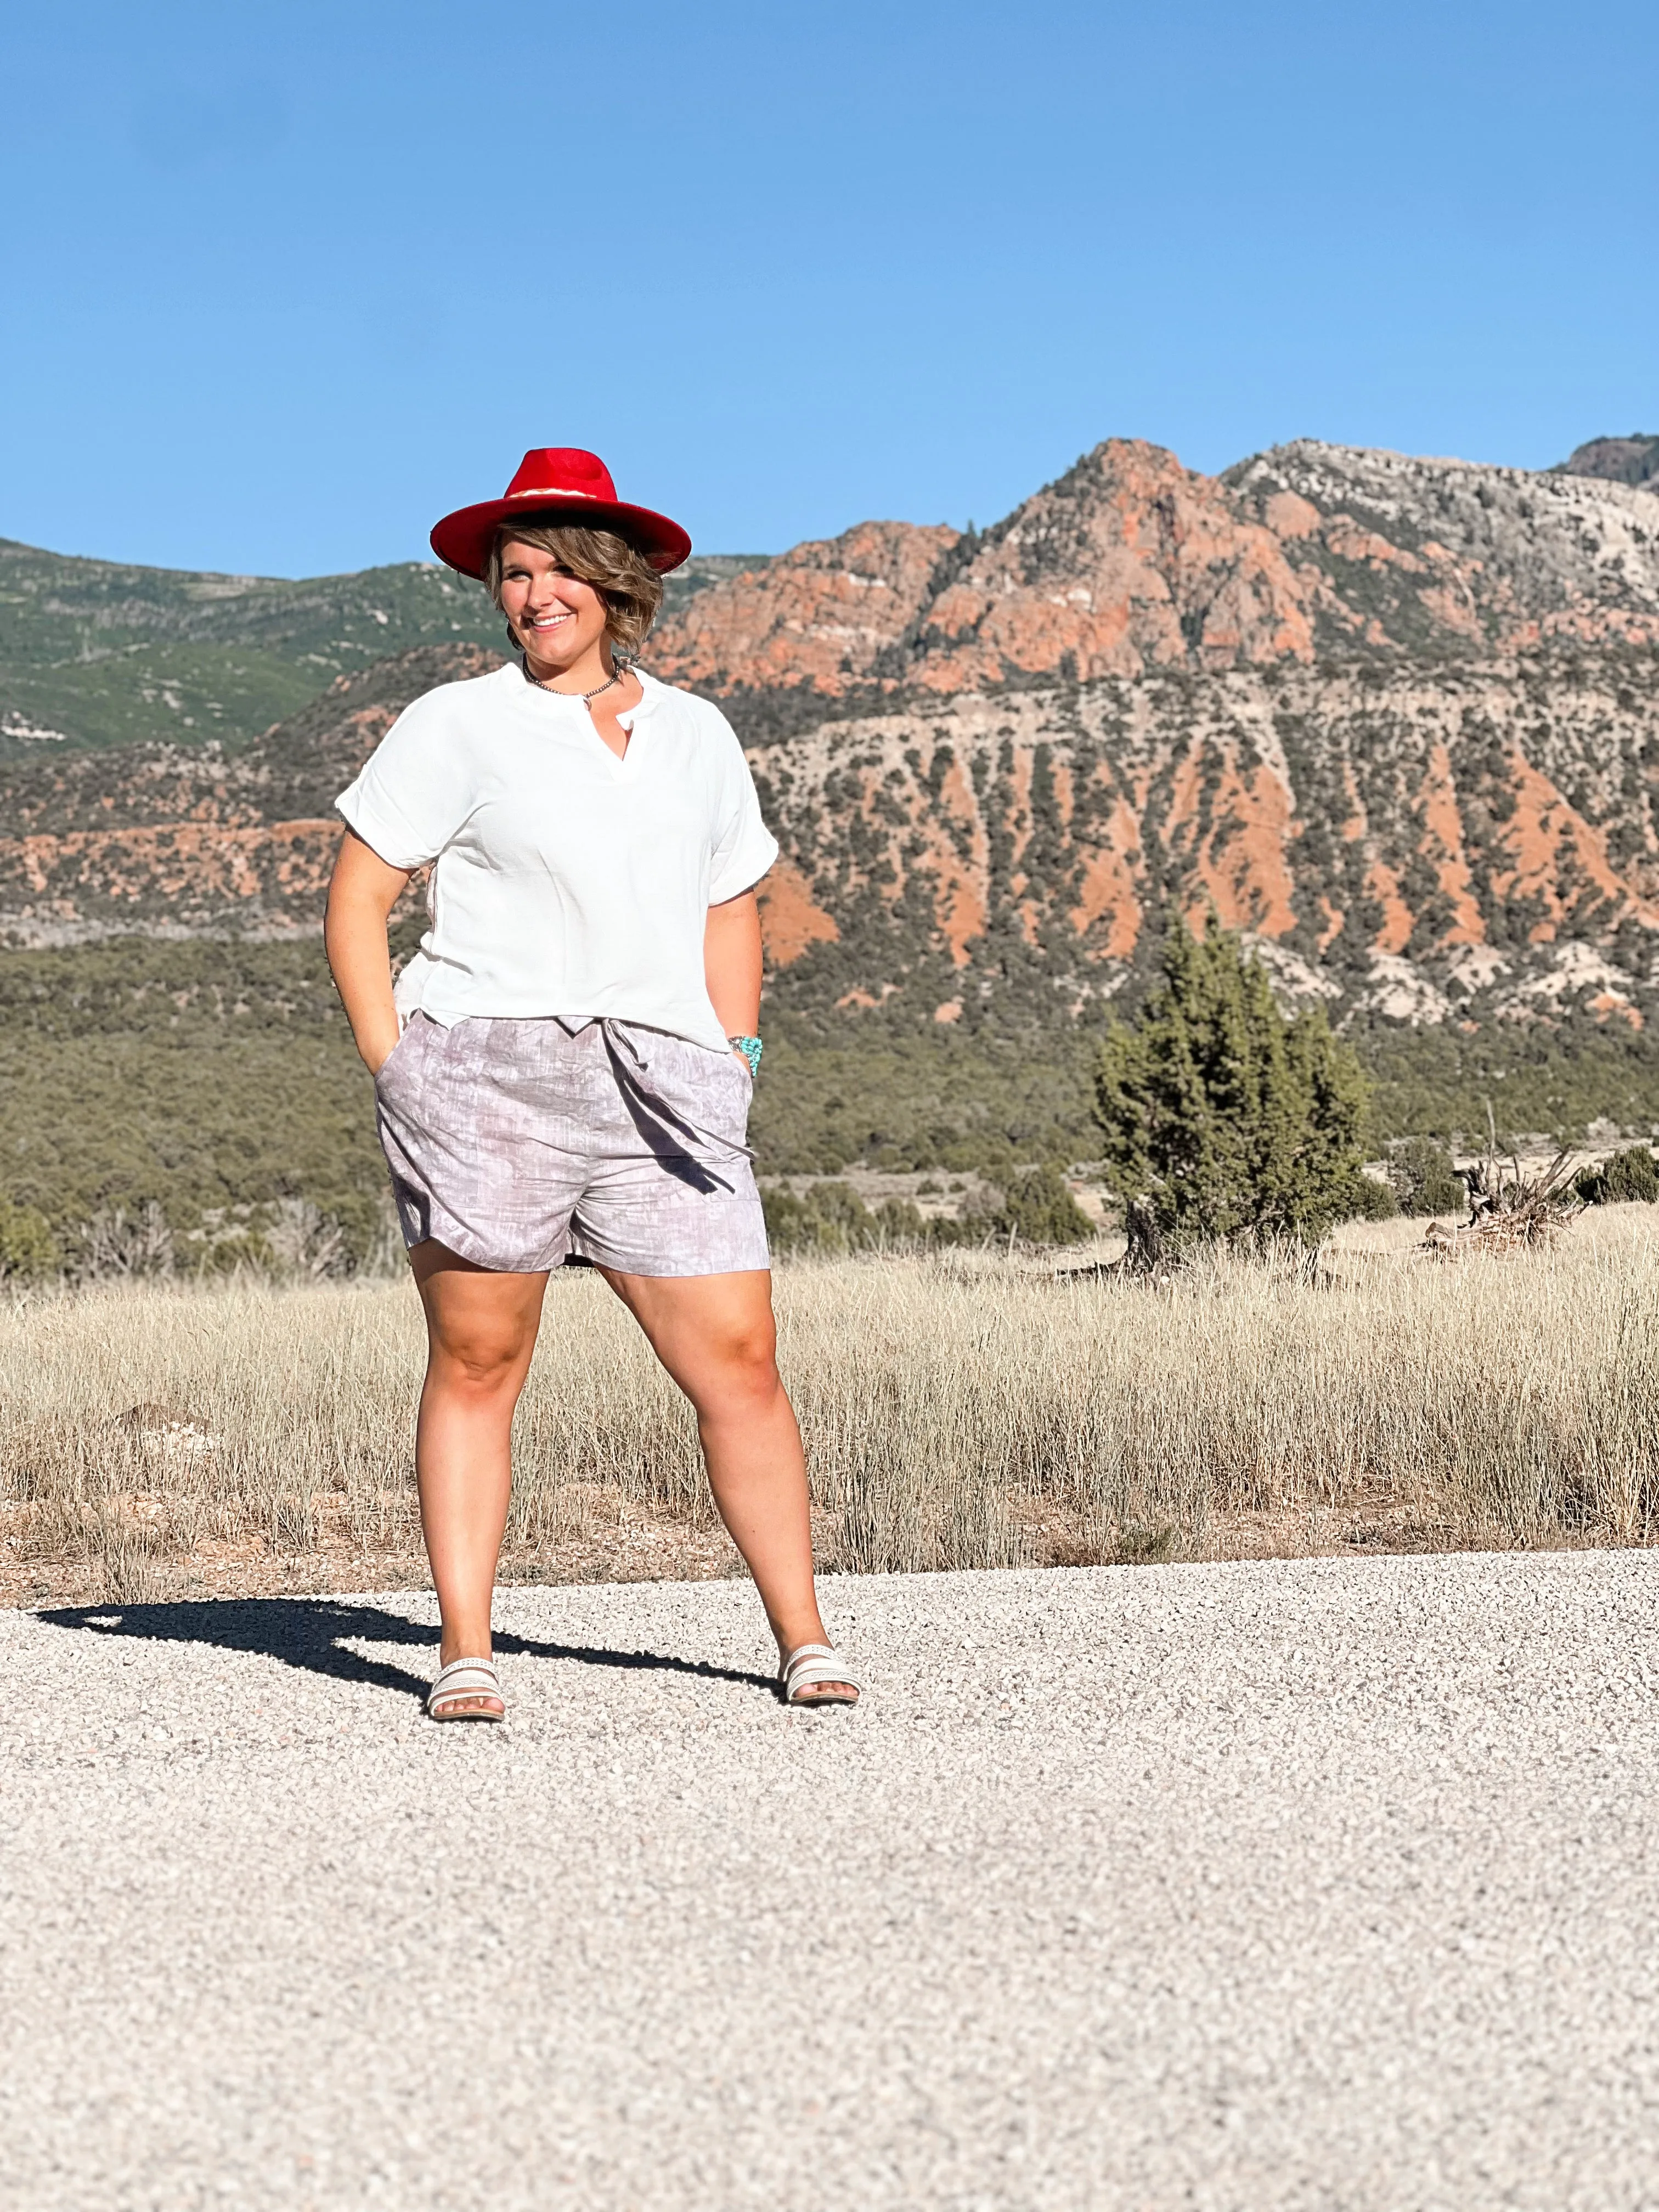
<point x="564" y="881"/>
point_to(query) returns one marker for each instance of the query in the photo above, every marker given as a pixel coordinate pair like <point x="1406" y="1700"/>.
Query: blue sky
<point x="279" y="285"/>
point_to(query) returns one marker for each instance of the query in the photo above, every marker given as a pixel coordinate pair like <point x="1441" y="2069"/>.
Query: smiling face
<point x="556" y="619"/>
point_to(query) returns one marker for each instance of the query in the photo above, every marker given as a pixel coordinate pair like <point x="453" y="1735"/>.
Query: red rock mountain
<point x="157" y="837"/>
<point x="1397" y="718"/>
<point x="1131" y="564"/>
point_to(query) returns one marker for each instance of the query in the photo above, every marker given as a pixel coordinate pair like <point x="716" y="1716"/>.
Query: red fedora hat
<point x="558" y="484"/>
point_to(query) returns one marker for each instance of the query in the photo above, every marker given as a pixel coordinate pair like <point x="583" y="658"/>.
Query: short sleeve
<point x="745" y="849"/>
<point x="415" y="790"/>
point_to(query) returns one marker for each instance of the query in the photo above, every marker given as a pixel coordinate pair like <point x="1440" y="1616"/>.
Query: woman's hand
<point x="361" y="893"/>
<point x="732" y="965"/>
<point x="375" y="1057"/>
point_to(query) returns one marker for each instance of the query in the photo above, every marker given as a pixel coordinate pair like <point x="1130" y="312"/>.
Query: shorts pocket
<point x="729" y="1091"/>
<point x="709" y="1090"/>
<point x="400" y="1052"/>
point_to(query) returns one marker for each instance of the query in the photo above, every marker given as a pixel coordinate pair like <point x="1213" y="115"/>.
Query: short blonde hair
<point x="622" y="577"/>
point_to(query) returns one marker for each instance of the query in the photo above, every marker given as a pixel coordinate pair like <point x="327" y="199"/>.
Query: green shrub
<point x="1424" y="1179"/>
<point x="1038" y="1205"/>
<point x="1375" y="1200"/>
<point x="1232" y="1122"/>
<point x="831" y="1217"/>
<point x="896" y="1221"/>
<point x="27" y="1247"/>
<point x="1628" y="1175"/>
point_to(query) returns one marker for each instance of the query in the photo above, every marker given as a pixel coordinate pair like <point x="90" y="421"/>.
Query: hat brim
<point x="462" y="540"/>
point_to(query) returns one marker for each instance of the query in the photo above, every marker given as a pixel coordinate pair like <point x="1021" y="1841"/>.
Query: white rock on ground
<point x="1325" y="1884"/>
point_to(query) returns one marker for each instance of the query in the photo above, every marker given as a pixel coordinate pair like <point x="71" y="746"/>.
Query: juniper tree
<point x="1228" y="1119"/>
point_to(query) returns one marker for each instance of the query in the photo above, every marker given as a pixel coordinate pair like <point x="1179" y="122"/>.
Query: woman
<point x="575" y="1061"/>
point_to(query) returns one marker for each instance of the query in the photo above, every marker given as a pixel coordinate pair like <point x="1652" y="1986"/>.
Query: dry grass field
<point x="961" y="1411"/>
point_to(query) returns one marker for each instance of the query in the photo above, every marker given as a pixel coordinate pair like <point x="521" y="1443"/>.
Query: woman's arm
<point x="731" y="963"/>
<point x="361" y="893"/>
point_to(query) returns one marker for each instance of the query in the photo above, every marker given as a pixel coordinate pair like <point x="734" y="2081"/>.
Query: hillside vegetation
<point x="1394" y="720"/>
<point x="103" y="653"/>
<point x="205" y="1077"/>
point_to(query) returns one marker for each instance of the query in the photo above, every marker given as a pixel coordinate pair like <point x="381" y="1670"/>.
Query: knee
<point x="747" y="1361"/>
<point x="480" y="1364"/>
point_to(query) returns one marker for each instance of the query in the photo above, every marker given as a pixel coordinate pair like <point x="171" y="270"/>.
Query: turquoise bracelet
<point x="750" y="1049"/>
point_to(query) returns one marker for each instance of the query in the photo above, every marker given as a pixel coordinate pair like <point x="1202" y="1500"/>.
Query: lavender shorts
<point x="516" y="1143"/>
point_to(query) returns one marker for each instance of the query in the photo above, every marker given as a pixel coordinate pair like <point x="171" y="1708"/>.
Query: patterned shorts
<point x="515" y="1143"/>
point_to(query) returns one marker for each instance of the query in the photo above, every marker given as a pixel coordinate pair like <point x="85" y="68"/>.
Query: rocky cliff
<point x="1130" y="565"/>
<point x="162" y="837"/>
<point x="1397" y="718"/>
<point x="1485" y="840"/>
<point x="1632" y="460"/>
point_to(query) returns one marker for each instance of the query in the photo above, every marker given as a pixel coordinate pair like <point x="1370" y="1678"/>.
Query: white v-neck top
<point x="564" y="881"/>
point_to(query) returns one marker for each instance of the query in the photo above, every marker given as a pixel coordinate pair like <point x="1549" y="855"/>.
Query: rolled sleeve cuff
<point x="380" y="828"/>
<point x="740" y="871"/>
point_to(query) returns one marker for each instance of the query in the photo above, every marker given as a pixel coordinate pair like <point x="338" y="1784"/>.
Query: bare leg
<point x="716" y="1337"/>
<point x="481" y="1331"/>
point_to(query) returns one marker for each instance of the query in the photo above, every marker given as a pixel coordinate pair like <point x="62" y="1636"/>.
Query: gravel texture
<point x="1323" y="1883"/>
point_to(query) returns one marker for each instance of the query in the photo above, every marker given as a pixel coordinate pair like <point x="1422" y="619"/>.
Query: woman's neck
<point x="594" y="668"/>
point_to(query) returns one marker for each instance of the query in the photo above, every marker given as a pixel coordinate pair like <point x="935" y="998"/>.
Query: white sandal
<point x="811" y="1663"/>
<point x="465" y="1678"/>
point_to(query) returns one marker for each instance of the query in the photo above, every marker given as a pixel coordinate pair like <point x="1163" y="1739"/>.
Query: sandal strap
<point x="465" y="1678"/>
<point x="809" y="1664"/>
<point x="802" y="1653"/>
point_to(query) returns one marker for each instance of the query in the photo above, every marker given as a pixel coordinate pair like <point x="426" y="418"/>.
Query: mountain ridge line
<point x="1396" y="719"/>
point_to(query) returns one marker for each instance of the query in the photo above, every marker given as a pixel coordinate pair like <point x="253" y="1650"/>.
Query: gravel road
<point x="1326" y="1884"/>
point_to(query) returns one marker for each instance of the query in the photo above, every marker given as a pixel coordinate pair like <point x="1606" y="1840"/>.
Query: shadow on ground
<point x="316" y="1634"/>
